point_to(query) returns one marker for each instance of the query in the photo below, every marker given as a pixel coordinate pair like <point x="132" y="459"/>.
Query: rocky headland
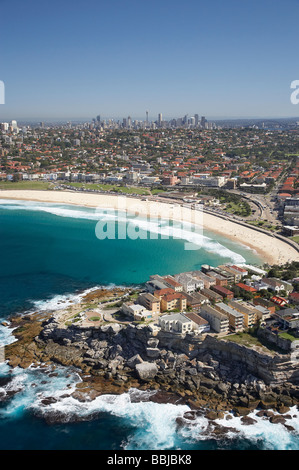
<point x="210" y="374"/>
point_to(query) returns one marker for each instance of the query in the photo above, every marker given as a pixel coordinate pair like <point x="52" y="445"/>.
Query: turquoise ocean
<point x="51" y="255"/>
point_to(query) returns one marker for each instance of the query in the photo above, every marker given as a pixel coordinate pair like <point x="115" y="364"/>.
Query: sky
<point x="217" y="58"/>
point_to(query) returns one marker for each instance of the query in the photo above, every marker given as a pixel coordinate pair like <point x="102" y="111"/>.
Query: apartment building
<point x="150" y="302"/>
<point x="235" y="318"/>
<point x="242" y="271"/>
<point x="159" y="294"/>
<point x="219" y="278"/>
<point x="196" y="299"/>
<point x="208" y="281"/>
<point x="226" y="272"/>
<point x="136" y="311"/>
<point x="224" y="292"/>
<point x="211" y="295"/>
<point x="232" y="274"/>
<point x="248" y="310"/>
<point x="262" y="313"/>
<point x="176" y="301"/>
<point x="218" y="321"/>
<point x="176" y="323"/>
<point x="171" y="282"/>
<point x="199" y="324"/>
<point x="222" y="277"/>
<point x="189" y="282"/>
<point x="154" y="284"/>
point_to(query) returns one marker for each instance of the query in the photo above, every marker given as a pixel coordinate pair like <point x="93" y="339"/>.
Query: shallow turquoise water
<point x="50" y="252"/>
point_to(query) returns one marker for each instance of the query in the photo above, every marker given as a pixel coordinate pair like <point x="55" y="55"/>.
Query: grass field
<point x="110" y="187"/>
<point x="250" y="340"/>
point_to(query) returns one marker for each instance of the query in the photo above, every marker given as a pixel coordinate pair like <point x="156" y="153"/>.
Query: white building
<point x="177" y="323"/>
<point x="189" y="283"/>
<point x="136" y="311"/>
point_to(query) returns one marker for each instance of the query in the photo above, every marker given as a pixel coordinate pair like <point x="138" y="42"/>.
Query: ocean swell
<point x="136" y="226"/>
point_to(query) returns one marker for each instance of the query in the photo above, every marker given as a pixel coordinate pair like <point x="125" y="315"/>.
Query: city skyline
<point x="227" y="61"/>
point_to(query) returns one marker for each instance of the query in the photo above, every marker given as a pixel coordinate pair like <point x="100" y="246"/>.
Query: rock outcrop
<point x="209" y="372"/>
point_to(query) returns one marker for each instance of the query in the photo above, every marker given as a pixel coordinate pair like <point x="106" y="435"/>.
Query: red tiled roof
<point x="245" y="287"/>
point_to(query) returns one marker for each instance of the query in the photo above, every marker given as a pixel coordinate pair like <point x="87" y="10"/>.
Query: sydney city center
<point x="149" y="229"/>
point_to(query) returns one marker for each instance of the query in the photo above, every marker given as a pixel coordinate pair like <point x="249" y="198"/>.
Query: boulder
<point x="146" y="370"/>
<point x="153" y="353"/>
<point x="247" y="420"/>
<point x="133" y="361"/>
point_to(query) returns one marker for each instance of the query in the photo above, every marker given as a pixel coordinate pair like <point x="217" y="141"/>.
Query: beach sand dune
<point x="271" y="250"/>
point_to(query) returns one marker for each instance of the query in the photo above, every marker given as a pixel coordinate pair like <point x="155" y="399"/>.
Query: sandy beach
<point x="270" y="249"/>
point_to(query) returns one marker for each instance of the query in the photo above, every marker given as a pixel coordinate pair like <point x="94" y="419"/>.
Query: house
<point x="198" y="323"/>
<point x="224" y="292"/>
<point x="294" y="298"/>
<point x="281" y="301"/>
<point x="176" y="323"/>
<point x="259" y="285"/>
<point x="218" y="321"/>
<point x="235" y="318"/>
<point x="277" y="285"/>
<point x="288" y="318"/>
<point x="246" y="288"/>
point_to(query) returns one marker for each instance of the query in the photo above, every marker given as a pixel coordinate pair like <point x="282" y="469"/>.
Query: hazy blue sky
<point x="217" y="58"/>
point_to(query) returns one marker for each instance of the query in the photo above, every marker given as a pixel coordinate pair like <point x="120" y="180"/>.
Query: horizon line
<point x="167" y="118"/>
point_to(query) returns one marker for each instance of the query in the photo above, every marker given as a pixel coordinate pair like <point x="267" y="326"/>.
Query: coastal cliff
<point x="204" y="372"/>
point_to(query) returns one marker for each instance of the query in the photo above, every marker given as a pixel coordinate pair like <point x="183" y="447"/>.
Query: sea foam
<point x="156" y="228"/>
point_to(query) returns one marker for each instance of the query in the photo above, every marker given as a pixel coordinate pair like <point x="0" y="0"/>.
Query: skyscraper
<point x="160" y="119"/>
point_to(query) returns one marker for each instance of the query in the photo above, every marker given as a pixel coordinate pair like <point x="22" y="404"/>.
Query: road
<point x="264" y="205"/>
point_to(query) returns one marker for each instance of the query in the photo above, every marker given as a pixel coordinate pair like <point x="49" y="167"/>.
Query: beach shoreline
<point x="271" y="250"/>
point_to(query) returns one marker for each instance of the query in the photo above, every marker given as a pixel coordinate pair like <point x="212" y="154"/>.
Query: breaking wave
<point x="158" y="228"/>
<point x="149" y="425"/>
